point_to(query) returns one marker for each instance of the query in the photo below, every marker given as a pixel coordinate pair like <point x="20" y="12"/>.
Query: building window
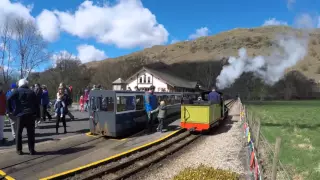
<point x="140" y="80"/>
<point x="149" y="79"/>
<point x="144" y="79"/>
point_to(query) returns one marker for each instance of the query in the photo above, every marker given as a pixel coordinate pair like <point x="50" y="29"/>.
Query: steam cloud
<point x="270" y="69"/>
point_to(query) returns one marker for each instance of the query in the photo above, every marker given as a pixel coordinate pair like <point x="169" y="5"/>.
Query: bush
<point x="205" y="173"/>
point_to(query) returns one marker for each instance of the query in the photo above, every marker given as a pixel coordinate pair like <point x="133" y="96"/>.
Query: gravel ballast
<point x="223" y="149"/>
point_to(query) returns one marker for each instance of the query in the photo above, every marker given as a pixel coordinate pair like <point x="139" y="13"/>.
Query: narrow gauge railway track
<point x="124" y="166"/>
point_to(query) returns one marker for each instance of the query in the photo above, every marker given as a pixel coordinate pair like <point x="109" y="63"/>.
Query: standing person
<point x="12" y="118"/>
<point x="61" y="116"/>
<point x="68" y="102"/>
<point x="81" y="103"/>
<point x="2" y="113"/>
<point x="38" y="92"/>
<point x="26" y="106"/>
<point x="44" y="103"/>
<point x="214" y="96"/>
<point x="162" y="109"/>
<point x="150" y="102"/>
<point x="86" y="98"/>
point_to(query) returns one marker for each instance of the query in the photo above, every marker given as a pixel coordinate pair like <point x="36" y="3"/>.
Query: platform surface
<point x="72" y="152"/>
<point x="46" y="131"/>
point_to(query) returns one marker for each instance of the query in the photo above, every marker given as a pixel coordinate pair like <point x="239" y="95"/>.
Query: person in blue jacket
<point x="12" y="118"/>
<point x="150" y="103"/>
<point x="44" y="103"/>
<point x="214" y="96"/>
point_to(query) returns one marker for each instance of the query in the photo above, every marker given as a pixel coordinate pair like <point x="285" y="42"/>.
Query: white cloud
<point x="48" y="25"/>
<point x="126" y="24"/>
<point x="274" y="22"/>
<point x="290" y="3"/>
<point x="204" y="31"/>
<point x="14" y="10"/>
<point x="174" y="41"/>
<point x="87" y="53"/>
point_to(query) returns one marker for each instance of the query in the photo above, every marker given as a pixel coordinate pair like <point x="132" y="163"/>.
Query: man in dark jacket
<point x="214" y="96"/>
<point x="44" y="103"/>
<point x="26" y="106"/>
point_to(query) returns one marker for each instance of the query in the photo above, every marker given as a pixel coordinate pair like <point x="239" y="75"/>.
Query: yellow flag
<point x="249" y="137"/>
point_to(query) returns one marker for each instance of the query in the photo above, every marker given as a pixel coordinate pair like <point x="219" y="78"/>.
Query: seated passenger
<point x="214" y="96"/>
<point x="162" y="109"/>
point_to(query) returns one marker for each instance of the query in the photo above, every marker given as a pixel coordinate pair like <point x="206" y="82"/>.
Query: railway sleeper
<point x="152" y="159"/>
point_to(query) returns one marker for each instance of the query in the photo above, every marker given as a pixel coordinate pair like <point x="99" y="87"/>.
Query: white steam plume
<point x="270" y="69"/>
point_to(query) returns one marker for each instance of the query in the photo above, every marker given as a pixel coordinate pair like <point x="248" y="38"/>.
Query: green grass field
<point x="298" y="123"/>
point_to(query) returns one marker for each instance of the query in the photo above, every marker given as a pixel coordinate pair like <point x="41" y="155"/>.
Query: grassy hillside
<point x="258" y="41"/>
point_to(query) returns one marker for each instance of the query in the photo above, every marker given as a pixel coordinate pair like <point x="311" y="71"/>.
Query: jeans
<point x="149" y="123"/>
<point x="160" y="125"/>
<point x="60" y="110"/>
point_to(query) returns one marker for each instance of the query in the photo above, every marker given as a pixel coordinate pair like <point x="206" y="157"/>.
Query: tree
<point x="30" y="45"/>
<point x="6" y="56"/>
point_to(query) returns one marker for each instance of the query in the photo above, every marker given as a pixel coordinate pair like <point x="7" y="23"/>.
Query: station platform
<point x="73" y="152"/>
<point x="46" y="131"/>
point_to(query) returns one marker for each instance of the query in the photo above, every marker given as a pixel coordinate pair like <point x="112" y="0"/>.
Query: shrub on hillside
<point x="206" y="173"/>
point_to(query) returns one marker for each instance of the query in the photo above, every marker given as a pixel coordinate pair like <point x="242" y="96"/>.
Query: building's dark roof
<point x="168" y="78"/>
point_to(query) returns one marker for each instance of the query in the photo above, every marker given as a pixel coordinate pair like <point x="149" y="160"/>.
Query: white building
<point x="162" y="81"/>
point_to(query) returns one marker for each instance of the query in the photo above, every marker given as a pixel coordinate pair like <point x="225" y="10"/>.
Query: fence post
<point x="258" y="135"/>
<point x="276" y="158"/>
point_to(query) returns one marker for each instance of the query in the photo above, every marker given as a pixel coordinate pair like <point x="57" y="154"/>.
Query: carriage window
<point x="93" y="103"/>
<point x="139" y="102"/>
<point x="177" y="99"/>
<point x="125" y="103"/>
<point x="107" y="104"/>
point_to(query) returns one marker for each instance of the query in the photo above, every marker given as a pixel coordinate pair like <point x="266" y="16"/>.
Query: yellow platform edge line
<point x="90" y="135"/>
<point x="111" y="157"/>
<point x="6" y="176"/>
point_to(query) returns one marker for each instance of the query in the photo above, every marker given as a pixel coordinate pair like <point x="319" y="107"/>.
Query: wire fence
<point x="264" y="150"/>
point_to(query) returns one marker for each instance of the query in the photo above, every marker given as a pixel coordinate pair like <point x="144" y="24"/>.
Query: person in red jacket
<point x="2" y="113"/>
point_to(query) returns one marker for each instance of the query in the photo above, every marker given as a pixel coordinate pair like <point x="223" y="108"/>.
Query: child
<point x="161" y="115"/>
<point x="59" y="105"/>
<point x="81" y="102"/>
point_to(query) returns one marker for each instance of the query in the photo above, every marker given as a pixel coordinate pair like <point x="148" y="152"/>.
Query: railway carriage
<point x="202" y="115"/>
<point x="121" y="113"/>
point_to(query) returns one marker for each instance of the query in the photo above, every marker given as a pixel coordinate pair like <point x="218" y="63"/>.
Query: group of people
<point x="84" y="99"/>
<point x="26" y="106"/>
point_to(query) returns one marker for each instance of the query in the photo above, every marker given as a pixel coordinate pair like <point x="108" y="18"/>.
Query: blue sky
<point x="179" y="19"/>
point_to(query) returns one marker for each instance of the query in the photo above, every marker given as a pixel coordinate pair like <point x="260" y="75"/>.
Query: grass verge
<point x="206" y="173"/>
<point x="298" y="124"/>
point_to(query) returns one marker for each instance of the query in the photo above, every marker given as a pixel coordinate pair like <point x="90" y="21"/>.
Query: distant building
<point x="119" y="84"/>
<point x="163" y="82"/>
